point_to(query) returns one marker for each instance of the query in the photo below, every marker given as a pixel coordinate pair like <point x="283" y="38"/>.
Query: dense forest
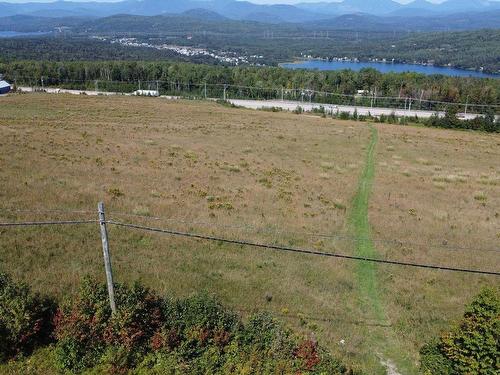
<point x="74" y="49"/>
<point x="186" y="77"/>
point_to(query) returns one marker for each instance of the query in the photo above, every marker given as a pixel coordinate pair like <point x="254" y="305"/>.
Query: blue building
<point x="4" y="87"/>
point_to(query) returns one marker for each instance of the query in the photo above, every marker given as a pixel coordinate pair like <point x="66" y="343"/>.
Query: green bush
<point x="262" y="346"/>
<point x="88" y="333"/>
<point x="194" y="324"/>
<point x="25" y="319"/>
<point x="486" y="123"/>
<point x="344" y="115"/>
<point x="148" y="334"/>
<point x="473" y="345"/>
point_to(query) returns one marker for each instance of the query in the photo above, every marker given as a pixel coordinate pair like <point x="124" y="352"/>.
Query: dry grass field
<point x="268" y="177"/>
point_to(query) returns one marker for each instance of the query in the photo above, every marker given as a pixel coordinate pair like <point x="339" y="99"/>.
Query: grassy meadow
<point x="427" y="195"/>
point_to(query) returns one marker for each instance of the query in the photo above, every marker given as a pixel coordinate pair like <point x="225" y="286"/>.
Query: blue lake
<point x="386" y="68"/>
<point x="12" y="34"/>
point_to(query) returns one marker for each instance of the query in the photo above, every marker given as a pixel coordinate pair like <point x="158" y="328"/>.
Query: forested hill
<point x="202" y="19"/>
<point x="467" y="49"/>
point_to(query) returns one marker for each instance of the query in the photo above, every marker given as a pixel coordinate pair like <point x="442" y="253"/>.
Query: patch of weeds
<point x="191" y="155"/>
<point x="449" y="178"/>
<point x="285" y="195"/>
<point x="115" y="193"/>
<point x="327" y="165"/>
<point x="141" y="211"/>
<point x="324" y="200"/>
<point x="155" y="194"/>
<point x="221" y="206"/>
<point x="216" y="203"/>
<point x="480" y="196"/>
<point x="339" y="206"/>
<point x="266" y="182"/>
<point x="202" y="193"/>
<point x="424" y="161"/>
<point x="439" y="185"/>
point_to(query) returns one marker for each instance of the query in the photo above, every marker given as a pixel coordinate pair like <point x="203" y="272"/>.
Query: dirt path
<point x="381" y="339"/>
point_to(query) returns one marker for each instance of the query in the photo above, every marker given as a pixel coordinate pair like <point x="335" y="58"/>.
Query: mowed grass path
<point x="361" y="229"/>
<point x="380" y="337"/>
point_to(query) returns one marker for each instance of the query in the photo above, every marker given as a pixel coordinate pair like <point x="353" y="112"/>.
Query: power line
<point x="253" y="244"/>
<point x="44" y="210"/>
<point x="301" y="251"/>
<point x="297" y="90"/>
<point x="257" y="229"/>
<point x="44" y="223"/>
<point x="308" y="234"/>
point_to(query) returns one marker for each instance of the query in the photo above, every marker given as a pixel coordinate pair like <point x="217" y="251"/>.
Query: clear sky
<point x="253" y="1"/>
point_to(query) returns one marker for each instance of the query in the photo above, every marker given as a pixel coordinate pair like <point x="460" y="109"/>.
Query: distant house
<point x="146" y="93"/>
<point x="4" y="87"/>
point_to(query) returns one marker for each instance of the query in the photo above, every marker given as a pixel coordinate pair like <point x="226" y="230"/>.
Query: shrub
<point x="264" y="333"/>
<point x="195" y="323"/>
<point x="344" y="115"/>
<point x="196" y="335"/>
<point x="486" y="123"/>
<point x="355" y="114"/>
<point x="473" y="345"/>
<point x="87" y="332"/>
<point x="25" y="319"/>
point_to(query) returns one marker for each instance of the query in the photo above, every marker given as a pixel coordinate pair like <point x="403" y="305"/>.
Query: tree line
<point x="345" y="82"/>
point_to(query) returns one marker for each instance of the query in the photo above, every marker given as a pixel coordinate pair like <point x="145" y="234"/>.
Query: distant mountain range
<point x="245" y="10"/>
<point x="198" y="19"/>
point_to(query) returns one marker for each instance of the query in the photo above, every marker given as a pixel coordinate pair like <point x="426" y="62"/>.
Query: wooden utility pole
<point x="225" y="92"/>
<point x="107" y="257"/>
